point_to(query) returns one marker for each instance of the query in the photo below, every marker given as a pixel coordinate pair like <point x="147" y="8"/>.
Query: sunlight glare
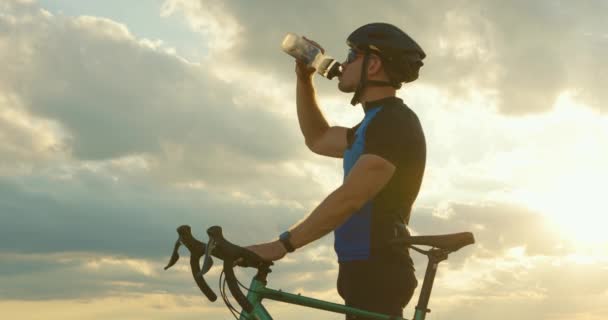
<point x="569" y="185"/>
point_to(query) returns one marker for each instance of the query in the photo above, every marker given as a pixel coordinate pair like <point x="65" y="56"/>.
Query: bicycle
<point x="252" y="308"/>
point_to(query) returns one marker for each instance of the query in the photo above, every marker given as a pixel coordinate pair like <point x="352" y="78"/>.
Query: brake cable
<point x="245" y="287"/>
<point x="233" y="310"/>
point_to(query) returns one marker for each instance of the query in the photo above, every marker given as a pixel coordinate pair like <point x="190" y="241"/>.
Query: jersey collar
<point x="391" y="100"/>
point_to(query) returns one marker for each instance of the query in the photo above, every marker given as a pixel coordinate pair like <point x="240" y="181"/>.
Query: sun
<point x="568" y="179"/>
<point x="578" y="205"/>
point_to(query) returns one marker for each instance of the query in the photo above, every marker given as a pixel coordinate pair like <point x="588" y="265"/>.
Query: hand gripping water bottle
<point x="299" y="48"/>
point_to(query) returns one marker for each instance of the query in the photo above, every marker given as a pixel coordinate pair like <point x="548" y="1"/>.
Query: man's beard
<point x="345" y="88"/>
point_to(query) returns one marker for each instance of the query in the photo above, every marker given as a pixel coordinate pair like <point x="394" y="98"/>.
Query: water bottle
<point x="301" y="49"/>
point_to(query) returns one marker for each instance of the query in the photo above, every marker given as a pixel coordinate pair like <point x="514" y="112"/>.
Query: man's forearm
<point x="328" y="215"/>
<point x="312" y="122"/>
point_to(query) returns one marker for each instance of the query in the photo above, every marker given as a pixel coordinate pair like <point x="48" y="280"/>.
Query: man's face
<point x="351" y="71"/>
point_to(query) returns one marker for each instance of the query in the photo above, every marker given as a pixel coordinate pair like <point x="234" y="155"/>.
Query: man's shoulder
<point x="396" y="118"/>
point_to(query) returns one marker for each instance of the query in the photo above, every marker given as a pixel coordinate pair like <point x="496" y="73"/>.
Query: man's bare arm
<point x="312" y="122"/>
<point x="368" y="176"/>
<point x="319" y="136"/>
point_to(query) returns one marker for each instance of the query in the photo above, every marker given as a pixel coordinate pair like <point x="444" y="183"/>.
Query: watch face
<point x="284" y="238"/>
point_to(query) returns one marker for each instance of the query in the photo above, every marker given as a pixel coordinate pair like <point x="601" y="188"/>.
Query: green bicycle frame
<point x="258" y="292"/>
<point x="441" y="246"/>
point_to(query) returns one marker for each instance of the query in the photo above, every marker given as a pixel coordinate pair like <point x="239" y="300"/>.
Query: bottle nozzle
<point x="334" y="70"/>
<point x="303" y="50"/>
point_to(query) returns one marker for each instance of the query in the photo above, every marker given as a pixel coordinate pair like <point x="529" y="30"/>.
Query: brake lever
<point x="174" y="255"/>
<point x="197" y="250"/>
<point x="207" y="260"/>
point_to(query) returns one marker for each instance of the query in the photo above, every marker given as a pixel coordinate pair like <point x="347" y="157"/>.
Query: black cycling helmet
<point x="400" y="54"/>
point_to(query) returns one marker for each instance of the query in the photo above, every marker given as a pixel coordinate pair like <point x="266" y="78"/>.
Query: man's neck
<point x="376" y="93"/>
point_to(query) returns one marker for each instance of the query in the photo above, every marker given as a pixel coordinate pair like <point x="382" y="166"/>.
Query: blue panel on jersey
<point x="352" y="154"/>
<point x="353" y="238"/>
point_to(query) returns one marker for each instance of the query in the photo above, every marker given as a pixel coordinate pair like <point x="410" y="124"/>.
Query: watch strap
<point x="284" y="238"/>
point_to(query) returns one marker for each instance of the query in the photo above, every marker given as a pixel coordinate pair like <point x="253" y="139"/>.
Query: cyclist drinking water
<point x="384" y="159"/>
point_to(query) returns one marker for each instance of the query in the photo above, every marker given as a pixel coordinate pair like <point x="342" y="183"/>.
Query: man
<point x="384" y="159"/>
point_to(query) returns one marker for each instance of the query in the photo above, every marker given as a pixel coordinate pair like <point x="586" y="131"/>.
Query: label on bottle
<point x="299" y="48"/>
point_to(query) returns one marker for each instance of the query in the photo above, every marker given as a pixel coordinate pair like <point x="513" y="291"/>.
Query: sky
<point x="120" y="121"/>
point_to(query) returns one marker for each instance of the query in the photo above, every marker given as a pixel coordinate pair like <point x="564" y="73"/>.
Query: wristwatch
<point x="284" y="238"/>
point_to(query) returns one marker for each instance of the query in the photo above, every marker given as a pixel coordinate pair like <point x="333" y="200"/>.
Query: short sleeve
<point x="350" y="134"/>
<point x="385" y="138"/>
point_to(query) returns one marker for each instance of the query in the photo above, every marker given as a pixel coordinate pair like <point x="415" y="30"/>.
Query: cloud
<point x="137" y="147"/>
<point x="549" y="164"/>
<point x="78" y="276"/>
<point x="86" y="89"/>
<point x="25" y="139"/>
<point x="137" y="306"/>
<point x="104" y="212"/>
<point x="109" y="141"/>
<point x="116" y="229"/>
<point x="515" y="285"/>
<point x="498" y="228"/>
<point x="524" y="54"/>
<point x="116" y="95"/>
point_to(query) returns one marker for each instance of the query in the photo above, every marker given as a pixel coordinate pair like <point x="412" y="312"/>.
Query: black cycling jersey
<point x="392" y="131"/>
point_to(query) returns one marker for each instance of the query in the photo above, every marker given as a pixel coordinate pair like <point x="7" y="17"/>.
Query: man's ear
<point x="374" y="65"/>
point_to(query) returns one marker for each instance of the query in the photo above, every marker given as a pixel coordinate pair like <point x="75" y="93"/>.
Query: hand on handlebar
<point x="230" y="253"/>
<point x="269" y="251"/>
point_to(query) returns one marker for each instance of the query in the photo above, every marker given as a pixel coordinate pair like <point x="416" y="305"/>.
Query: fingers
<point x="300" y="63"/>
<point x="315" y="44"/>
<point x="238" y="262"/>
<point x="303" y="71"/>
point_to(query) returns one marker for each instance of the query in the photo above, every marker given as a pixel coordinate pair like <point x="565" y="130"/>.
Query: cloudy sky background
<point x="121" y="121"/>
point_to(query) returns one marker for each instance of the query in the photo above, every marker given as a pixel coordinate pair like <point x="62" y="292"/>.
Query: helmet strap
<point x="363" y="82"/>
